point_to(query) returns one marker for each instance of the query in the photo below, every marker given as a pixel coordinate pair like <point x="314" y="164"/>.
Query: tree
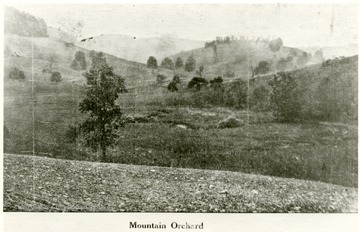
<point x="275" y="44"/>
<point x="284" y="97"/>
<point x="104" y="115"/>
<point x="55" y="77"/>
<point x="16" y="74"/>
<point x="262" y="68"/>
<point x="190" y="64"/>
<point x="179" y="63"/>
<point x="167" y="63"/>
<point x="97" y="59"/>
<point x="152" y="63"/>
<point x="160" y="79"/>
<point x="79" y="62"/>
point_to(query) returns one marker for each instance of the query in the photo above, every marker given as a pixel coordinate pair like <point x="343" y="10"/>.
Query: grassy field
<point x="38" y="184"/>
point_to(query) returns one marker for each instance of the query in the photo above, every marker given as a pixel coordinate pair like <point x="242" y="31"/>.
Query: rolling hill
<point x="139" y="49"/>
<point x="240" y="57"/>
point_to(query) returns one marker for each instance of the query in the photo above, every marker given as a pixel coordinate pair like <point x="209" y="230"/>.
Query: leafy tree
<point x="16" y="74"/>
<point x="197" y="83"/>
<point x="160" y="78"/>
<point x="172" y="87"/>
<point x="167" y="63"/>
<point x="179" y="63"/>
<point x="79" y="62"/>
<point x="55" y="77"/>
<point x="284" y="97"/>
<point x="104" y="115"/>
<point x="190" y="64"/>
<point x="152" y="63"/>
<point x="97" y="60"/>
<point x="262" y="68"/>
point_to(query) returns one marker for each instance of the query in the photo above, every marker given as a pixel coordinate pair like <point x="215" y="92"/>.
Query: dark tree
<point x="217" y="83"/>
<point x="179" y="63"/>
<point x="197" y="83"/>
<point x="172" y="87"/>
<point x="104" y="115"/>
<point x="55" y="77"/>
<point x="79" y="62"/>
<point x="152" y="63"/>
<point x="262" y="68"/>
<point x="160" y="79"/>
<point x="190" y="64"/>
<point x="16" y="74"/>
<point x="284" y="97"/>
<point x="167" y="63"/>
<point x="97" y="60"/>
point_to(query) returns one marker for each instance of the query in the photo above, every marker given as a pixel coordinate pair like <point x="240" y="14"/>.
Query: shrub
<point x="217" y="83"/>
<point x="230" y="122"/>
<point x="179" y="63"/>
<point x="160" y="79"/>
<point x="16" y="74"/>
<point x="55" y="77"/>
<point x="172" y="87"/>
<point x="190" y="64"/>
<point x="284" y="98"/>
<point x="176" y="79"/>
<point x="235" y="94"/>
<point x="197" y="83"/>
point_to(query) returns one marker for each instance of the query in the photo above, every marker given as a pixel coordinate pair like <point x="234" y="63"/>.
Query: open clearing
<point x="54" y="185"/>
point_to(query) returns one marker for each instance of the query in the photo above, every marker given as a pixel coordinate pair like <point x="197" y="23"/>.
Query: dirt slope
<point x="45" y="184"/>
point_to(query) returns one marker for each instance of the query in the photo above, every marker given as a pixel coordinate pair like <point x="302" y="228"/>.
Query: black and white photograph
<point x="180" y="108"/>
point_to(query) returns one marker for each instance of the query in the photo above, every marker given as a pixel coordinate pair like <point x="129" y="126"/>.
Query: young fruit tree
<point x="104" y="115"/>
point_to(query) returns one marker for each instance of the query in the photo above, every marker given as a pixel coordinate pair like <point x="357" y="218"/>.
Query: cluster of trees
<point x="221" y="40"/>
<point x="189" y="66"/>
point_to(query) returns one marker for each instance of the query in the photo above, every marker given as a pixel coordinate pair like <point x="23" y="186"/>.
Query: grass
<point x="38" y="184"/>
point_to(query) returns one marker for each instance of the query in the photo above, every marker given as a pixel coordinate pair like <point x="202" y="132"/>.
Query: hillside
<point x="240" y="57"/>
<point x="38" y="184"/>
<point x="139" y="49"/>
<point x="51" y="51"/>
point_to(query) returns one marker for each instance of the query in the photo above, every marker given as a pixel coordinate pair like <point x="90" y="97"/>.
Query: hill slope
<point x="239" y="57"/>
<point x="36" y="184"/>
<point x="139" y="49"/>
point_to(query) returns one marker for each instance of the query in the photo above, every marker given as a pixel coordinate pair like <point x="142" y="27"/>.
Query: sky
<point x="297" y="25"/>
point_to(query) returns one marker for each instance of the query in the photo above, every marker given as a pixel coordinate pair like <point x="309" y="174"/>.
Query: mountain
<point x="139" y="49"/>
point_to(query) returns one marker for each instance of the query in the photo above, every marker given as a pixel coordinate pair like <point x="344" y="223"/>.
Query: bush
<point x="172" y="87"/>
<point x="190" y="64"/>
<point x="284" y="98"/>
<point x="197" y="83"/>
<point x="176" y="79"/>
<point x="160" y="79"/>
<point x="79" y="62"/>
<point x="236" y="94"/>
<point x="55" y="77"/>
<point x="16" y="74"/>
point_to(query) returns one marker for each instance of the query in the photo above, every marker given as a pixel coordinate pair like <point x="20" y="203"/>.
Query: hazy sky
<point x="297" y="25"/>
